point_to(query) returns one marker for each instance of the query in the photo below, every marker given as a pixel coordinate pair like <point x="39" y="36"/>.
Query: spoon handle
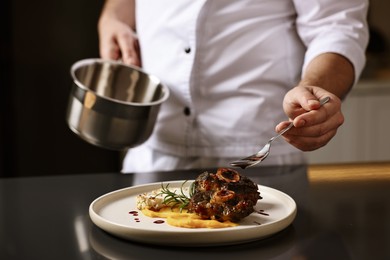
<point x="282" y="132"/>
<point x="324" y="100"/>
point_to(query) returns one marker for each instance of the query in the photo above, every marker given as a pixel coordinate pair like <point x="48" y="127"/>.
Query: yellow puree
<point x="176" y="218"/>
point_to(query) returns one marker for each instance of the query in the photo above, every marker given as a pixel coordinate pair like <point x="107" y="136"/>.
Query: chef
<point x="238" y="71"/>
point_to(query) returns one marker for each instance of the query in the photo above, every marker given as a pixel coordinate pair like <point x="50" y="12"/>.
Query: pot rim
<point x="80" y="63"/>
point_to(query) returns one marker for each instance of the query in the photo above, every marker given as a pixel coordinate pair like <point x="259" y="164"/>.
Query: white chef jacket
<point x="228" y="65"/>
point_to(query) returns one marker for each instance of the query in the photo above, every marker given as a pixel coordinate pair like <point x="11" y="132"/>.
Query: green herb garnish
<point x="173" y="199"/>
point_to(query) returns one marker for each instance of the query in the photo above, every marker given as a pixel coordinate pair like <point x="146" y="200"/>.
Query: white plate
<point x="114" y="213"/>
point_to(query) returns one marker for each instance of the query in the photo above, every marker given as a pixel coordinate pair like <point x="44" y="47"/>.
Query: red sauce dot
<point x="158" y="221"/>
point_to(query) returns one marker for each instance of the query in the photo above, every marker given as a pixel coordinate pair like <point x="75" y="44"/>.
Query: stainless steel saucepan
<point x="113" y="105"/>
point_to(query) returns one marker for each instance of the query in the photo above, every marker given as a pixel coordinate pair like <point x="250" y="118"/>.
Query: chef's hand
<point x="118" y="41"/>
<point x="314" y="125"/>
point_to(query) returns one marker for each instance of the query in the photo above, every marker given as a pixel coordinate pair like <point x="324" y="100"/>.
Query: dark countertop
<point x="343" y="213"/>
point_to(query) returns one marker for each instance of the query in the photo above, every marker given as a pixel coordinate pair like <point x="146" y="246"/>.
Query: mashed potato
<point x="183" y="219"/>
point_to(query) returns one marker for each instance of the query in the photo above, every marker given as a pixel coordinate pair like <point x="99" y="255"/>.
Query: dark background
<point x="39" y="42"/>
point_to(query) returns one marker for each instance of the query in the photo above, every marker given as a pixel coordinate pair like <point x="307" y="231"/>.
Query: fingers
<point x="118" y="41"/>
<point x="309" y="143"/>
<point x="299" y="101"/>
<point x="128" y="44"/>
<point x="109" y="49"/>
<point x="327" y="112"/>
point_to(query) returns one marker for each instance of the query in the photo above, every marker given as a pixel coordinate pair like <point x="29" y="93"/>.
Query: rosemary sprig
<point x="173" y="199"/>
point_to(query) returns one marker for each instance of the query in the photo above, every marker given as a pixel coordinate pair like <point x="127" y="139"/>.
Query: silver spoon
<point x="264" y="152"/>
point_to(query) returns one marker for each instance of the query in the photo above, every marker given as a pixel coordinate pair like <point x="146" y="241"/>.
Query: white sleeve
<point x="338" y="26"/>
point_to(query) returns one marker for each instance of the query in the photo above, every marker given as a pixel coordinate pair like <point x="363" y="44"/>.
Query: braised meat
<point x="225" y="195"/>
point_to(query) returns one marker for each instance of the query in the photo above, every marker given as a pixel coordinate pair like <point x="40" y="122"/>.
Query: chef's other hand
<point x="314" y="125"/>
<point x="118" y="41"/>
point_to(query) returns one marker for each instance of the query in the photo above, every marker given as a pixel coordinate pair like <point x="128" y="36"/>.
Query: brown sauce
<point x="262" y="212"/>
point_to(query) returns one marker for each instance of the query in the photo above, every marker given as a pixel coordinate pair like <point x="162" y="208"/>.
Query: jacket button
<point x="187" y="111"/>
<point x="187" y="50"/>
